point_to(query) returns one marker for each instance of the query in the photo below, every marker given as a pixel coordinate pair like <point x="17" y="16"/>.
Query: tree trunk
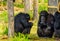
<point x="35" y="9"/>
<point x="27" y="6"/>
<point x="31" y="4"/>
<point x="10" y="18"/>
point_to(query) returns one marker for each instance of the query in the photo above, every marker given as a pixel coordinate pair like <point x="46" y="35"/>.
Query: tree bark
<point x="27" y="6"/>
<point x="10" y="18"/>
<point x="35" y="9"/>
<point x="31" y="4"/>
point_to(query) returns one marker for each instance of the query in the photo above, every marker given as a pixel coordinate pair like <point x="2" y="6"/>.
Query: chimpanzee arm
<point x="24" y="23"/>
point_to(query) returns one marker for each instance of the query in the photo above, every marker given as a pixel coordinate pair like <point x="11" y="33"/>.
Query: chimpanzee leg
<point x="39" y="32"/>
<point x="26" y="31"/>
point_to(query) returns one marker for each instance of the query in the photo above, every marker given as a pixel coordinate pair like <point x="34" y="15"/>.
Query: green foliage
<point x="42" y="7"/>
<point x="19" y="5"/>
<point x="4" y="16"/>
<point x="5" y="0"/>
<point x="5" y="31"/>
<point x="4" y="3"/>
<point x="31" y="14"/>
<point x="39" y="1"/>
<point x="20" y="37"/>
<point x="3" y="22"/>
<point x="43" y="0"/>
<point x="46" y="1"/>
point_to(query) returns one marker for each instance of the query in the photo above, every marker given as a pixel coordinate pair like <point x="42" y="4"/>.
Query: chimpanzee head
<point x="43" y="16"/>
<point x="27" y="17"/>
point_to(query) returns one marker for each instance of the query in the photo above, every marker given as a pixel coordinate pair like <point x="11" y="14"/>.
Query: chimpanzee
<point x="42" y="23"/>
<point x="57" y="24"/>
<point x="45" y="25"/>
<point x="22" y="24"/>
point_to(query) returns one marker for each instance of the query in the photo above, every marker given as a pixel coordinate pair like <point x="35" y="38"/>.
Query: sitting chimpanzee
<point x="22" y="24"/>
<point x="42" y="23"/>
<point x="45" y="25"/>
<point x="57" y="24"/>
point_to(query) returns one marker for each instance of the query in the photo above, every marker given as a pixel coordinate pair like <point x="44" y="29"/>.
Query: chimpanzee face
<point x="27" y="17"/>
<point x="43" y="16"/>
<point x="42" y="19"/>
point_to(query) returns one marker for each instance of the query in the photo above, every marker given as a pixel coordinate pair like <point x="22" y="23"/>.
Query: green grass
<point x="20" y="37"/>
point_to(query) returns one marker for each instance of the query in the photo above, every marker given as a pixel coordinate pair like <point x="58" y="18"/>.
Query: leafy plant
<point x="20" y="37"/>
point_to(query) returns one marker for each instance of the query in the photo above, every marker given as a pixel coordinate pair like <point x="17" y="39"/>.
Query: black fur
<point x="22" y="24"/>
<point x="57" y="24"/>
<point x="42" y="23"/>
<point x="45" y="25"/>
<point x="50" y="25"/>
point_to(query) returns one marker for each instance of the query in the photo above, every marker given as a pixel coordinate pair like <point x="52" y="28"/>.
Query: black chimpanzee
<point x="45" y="25"/>
<point x="57" y="24"/>
<point x="22" y="24"/>
<point x="42" y="23"/>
